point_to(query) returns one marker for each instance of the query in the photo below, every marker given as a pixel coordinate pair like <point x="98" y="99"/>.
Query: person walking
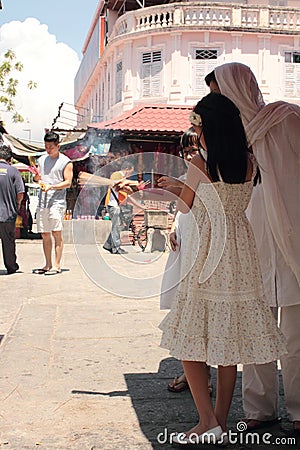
<point x="273" y="131"/>
<point x="55" y="173"/>
<point x="11" y="195"/>
<point x="220" y="316"/>
<point x="113" y="201"/>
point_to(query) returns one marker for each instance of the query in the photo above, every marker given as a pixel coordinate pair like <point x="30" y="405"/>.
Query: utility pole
<point x="29" y="132"/>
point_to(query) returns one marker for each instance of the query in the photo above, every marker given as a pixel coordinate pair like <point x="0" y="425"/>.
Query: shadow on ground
<point x="161" y="412"/>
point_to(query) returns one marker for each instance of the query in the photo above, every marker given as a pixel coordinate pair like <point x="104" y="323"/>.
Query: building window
<point x="292" y="74"/>
<point x="99" y="102"/>
<point x="278" y="2"/>
<point x="119" y="80"/>
<point x="102" y="102"/>
<point x="108" y="90"/>
<point x="95" y="113"/>
<point x="292" y="57"/>
<point x="151" y="74"/>
<point x="205" y="60"/>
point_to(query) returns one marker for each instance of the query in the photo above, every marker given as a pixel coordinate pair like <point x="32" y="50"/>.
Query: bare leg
<point x="47" y="247"/>
<point x="225" y="389"/>
<point x="58" y="244"/>
<point x="197" y="376"/>
<point x="210" y="387"/>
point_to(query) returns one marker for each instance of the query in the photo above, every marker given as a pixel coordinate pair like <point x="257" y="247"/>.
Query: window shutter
<point x="146" y="80"/>
<point x="102" y="102"/>
<point x="156" y="56"/>
<point x="292" y="74"/>
<point x="147" y="58"/>
<point x="108" y="90"/>
<point x="199" y="74"/>
<point x="156" y="78"/>
<point x="119" y="80"/>
<point x="297" y="77"/>
<point x="151" y="74"/>
<point x="205" y="60"/>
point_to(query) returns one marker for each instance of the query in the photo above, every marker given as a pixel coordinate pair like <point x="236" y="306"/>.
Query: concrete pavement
<point x="82" y="369"/>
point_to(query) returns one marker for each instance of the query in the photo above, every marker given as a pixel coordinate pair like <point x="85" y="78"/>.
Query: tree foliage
<point x="9" y="84"/>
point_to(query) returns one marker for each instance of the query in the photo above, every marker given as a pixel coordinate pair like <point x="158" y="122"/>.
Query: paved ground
<point x="81" y="369"/>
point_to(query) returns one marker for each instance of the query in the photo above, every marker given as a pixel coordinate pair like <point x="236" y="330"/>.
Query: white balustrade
<point x="286" y="19"/>
<point x="154" y="19"/>
<point x="206" y="16"/>
<point x="250" y="18"/>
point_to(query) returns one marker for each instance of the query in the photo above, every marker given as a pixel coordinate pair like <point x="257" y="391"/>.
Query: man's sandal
<point x="296" y="427"/>
<point x="254" y="424"/>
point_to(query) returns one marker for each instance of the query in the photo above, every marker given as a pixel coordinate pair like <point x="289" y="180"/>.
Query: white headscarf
<point x="273" y="131"/>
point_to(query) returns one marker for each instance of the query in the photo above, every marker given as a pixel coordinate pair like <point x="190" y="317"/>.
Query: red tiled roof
<point x="160" y="118"/>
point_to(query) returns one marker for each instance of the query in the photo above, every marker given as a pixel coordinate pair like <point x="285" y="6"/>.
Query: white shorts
<point x="49" y="219"/>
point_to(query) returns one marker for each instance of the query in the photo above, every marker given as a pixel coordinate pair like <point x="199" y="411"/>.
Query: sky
<point x="47" y="38"/>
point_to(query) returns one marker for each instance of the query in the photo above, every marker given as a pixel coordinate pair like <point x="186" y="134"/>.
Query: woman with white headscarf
<point x="273" y="131"/>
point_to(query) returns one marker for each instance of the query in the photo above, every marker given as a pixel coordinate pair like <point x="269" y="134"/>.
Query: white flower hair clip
<point x="195" y="119"/>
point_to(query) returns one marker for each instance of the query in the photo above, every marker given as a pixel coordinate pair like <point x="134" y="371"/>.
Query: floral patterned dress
<point x="220" y="314"/>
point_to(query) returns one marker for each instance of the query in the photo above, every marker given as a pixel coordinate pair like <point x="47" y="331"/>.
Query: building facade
<point x="139" y="52"/>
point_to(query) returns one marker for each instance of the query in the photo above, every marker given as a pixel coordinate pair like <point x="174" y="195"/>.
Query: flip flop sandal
<point x="52" y="271"/>
<point x="296" y="430"/>
<point x="177" y="386"/>
<point x="39" y="271"/>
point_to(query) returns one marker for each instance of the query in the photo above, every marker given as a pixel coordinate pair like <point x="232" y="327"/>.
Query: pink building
<point x="155" y="52"/>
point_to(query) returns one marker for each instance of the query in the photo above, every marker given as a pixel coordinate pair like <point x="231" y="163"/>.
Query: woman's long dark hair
<point x="225" y="138"/>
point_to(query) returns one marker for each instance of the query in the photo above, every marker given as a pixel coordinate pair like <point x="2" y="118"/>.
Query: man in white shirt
<point x="54" y="175"/>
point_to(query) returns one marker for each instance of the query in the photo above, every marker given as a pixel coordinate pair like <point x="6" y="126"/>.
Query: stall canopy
<point x="76" y="147"/>
<point x="21" y="148"/>
<point x="155" y="122"/>
<point x="162" y="120"/>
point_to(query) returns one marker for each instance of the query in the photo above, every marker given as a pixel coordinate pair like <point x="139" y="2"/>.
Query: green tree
<point x="9" y="84"/>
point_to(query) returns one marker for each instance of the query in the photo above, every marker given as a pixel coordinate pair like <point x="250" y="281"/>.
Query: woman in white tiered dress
<point x="219" y="316"/>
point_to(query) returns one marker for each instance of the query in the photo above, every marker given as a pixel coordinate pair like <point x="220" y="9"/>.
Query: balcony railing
<point x="208" y="15"/>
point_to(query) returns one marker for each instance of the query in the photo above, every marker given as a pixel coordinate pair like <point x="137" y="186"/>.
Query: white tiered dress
<point x="220" y="315"/>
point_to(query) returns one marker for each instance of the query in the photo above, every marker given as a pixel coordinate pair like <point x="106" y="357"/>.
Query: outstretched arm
<point x="171" y="184"/>
<point x="196" y="173"/>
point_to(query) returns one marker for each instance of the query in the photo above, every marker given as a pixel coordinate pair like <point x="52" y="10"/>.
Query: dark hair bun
<point x="218" y="105"/>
